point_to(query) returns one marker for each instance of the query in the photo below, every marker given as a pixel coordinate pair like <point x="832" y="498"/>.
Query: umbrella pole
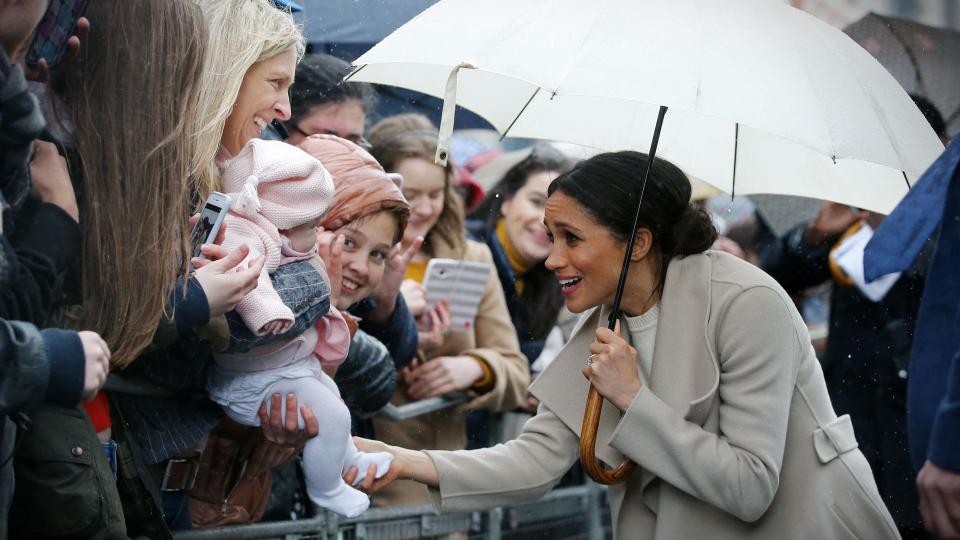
<point x="591" y="414"/>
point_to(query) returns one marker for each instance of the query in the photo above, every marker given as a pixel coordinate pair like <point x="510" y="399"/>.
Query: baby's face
<point x="303" y="237"/>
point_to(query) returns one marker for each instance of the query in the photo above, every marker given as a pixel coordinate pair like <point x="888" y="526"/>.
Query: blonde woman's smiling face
<point x="263" y="98"/>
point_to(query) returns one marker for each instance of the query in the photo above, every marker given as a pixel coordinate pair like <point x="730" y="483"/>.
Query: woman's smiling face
<point x="424" y="187"/>
<point x="581" y="254"/>
<point x="523" y="218"/>
<point x="263" y="98"/>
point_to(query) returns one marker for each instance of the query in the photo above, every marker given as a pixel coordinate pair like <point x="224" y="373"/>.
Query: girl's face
<point x="345" y="120"/>
<point x="262" y="99"/>
<point x="523" y="217"/>
<point x="366" y="246"/>
<point x="581" y="254"/>
<point x="424" y="185"/>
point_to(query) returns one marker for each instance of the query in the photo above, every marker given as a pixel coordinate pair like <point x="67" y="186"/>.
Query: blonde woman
<point x="485" y="361"/>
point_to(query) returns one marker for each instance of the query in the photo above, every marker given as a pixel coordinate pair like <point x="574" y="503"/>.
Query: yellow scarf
<point x="416" y="270"/>
<point x="519" y="267"/>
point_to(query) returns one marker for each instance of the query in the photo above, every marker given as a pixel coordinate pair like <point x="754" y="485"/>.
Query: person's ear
<point x="642" y="245"/>
<point x="505" y="206"/>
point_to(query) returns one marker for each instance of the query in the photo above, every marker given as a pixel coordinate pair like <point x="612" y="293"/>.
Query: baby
<point x="278" y="195"/>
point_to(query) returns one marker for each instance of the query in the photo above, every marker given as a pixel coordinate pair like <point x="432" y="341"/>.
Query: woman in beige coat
<point x="713" y="389"/>
<point x="484" y="361"/>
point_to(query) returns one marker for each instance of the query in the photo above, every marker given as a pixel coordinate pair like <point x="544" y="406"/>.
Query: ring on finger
<point x="590" y="359"/>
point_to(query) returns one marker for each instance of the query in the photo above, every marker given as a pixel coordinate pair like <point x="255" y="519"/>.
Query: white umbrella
<point x="762" y="98"/>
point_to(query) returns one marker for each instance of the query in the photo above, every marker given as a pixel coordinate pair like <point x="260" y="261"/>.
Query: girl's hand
<point x="415" y="295"/>
<point x="284" y="429"/>
<point x="385" y="294"/>
<point x="330" y="249"/>
<point x="433" y="325"/>
<point x="612" y="368"/>
<point x="225" y="282"/>
<point x="442" y="375"/>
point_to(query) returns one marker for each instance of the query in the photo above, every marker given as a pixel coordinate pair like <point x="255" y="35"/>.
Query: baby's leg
<point x="323" y="455"/>
<point x="354" y="457"/>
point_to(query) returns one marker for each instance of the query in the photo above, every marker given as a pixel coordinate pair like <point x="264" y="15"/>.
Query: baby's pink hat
<point x="281" y="182"/>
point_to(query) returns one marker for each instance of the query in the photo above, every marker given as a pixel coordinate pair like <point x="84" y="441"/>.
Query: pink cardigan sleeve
<point x="263" y="304"/>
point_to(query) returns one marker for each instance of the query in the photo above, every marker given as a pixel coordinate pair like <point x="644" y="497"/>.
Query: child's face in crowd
<point x="262" y="99"/>
<point x="20" y="19"/>
<point x="366" y="246"/>
<point x="304" y="237"/>
<point x="424" y="183"/>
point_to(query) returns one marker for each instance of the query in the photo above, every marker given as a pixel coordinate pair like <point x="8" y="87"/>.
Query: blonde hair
<point x="412" y="135"/>
<point x="135" y="146"/>
<point x="246" y="32"/>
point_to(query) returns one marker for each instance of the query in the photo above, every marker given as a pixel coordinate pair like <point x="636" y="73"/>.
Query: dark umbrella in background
<point x="922" y="58"/>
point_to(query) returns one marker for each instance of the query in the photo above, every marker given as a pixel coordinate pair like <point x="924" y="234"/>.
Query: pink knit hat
<point x="282" y="183"/>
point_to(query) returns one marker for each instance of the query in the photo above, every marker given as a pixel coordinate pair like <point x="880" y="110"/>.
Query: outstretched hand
<point x="371" y="483"/>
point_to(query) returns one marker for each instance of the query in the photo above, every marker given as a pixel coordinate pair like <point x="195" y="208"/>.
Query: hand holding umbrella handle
<point x="588" y="443"/>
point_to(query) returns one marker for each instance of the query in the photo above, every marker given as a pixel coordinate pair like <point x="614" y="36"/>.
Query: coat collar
<point x="685" y="372"/>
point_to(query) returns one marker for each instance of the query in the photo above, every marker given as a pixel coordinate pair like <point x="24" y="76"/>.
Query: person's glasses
<point x="355" y="139"/>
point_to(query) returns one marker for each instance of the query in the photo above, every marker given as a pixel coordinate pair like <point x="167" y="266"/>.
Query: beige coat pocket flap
<point x="834" y="439"/>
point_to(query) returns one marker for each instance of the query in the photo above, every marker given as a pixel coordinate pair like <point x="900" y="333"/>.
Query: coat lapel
<point x="685" y="372"/>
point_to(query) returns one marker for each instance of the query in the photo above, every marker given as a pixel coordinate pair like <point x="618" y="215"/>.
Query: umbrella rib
<point x="354" y="71"/>
<point x="525" y="105"/>
<point x="906" y="180"/>
<point x="736" y="147"/>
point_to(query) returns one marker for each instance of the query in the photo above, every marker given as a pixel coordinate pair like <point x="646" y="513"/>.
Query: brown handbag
<point x="227" y="491"/>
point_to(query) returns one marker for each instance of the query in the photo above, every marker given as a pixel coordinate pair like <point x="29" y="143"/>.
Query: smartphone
<point x="461" y="283"/>
<point x="211" y="218"/>
<point x="56" y="27"/>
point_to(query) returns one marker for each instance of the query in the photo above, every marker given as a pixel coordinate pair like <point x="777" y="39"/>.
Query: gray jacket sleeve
<point x="38" y="367"/>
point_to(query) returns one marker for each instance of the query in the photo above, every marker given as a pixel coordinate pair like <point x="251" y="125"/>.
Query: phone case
<point x="459" y="282"/>
<point x="56" y="27"/>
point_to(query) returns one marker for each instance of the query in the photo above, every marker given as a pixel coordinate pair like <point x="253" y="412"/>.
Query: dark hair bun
<point x="694" y="232"/>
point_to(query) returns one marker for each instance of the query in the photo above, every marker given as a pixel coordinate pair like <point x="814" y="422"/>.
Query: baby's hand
<point x="278" y="326"/>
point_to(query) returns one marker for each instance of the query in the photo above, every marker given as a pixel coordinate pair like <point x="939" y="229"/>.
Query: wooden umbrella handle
<point x="588" y="445"/>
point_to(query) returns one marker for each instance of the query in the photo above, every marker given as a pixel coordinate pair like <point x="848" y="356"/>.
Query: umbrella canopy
<point x="922" y="58"/>
<point x="762" y="98"/>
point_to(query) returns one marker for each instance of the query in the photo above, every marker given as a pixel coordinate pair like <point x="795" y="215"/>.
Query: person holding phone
<point x="484" y="361"/>
<point x="710" y="382"/>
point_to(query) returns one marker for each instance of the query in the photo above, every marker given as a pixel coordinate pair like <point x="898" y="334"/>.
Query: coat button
<point x="77" y="451"/>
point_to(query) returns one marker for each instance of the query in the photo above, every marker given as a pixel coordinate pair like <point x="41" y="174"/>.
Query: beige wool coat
<point x="734" y="433"/>
<point x="494" y="340"/>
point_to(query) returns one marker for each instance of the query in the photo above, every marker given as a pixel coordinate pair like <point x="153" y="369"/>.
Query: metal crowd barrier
<point x="571" y="513"/>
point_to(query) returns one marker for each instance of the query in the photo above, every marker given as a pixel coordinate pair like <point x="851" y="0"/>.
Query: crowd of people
<point x="146" y="390"/>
